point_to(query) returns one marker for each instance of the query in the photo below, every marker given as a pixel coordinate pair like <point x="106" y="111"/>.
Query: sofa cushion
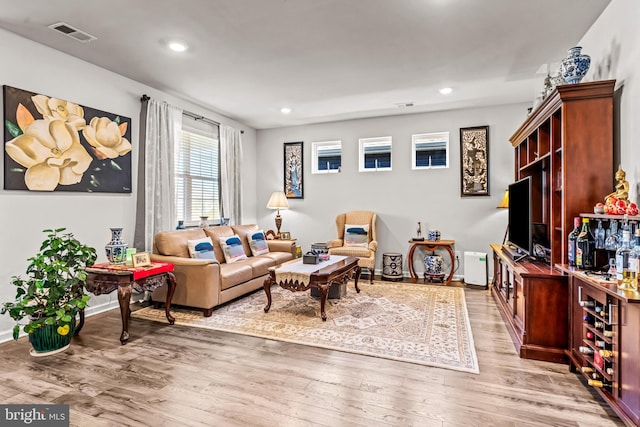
<point x="216" y="233"/>
<point x="356" y="251"/>
<point x="258" y="243"/>
<point x="201" y="248"/>
<point x="174" y="243"/>
<point x="244" y="231"/>
<point x="235" y="274"/>
<point x="356" y="235"/>
<point x="260" y="264"/>
<point x="279" y="257"/>
<point x="232" y="248"/>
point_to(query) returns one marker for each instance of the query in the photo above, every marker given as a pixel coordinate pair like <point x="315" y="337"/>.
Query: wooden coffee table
<point x="327" y="274"/>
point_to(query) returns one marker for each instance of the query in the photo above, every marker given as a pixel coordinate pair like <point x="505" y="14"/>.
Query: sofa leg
<point x="207" y="312"/>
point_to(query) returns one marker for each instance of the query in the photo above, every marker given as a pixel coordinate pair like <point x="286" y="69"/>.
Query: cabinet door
<point x="519" y="303"/>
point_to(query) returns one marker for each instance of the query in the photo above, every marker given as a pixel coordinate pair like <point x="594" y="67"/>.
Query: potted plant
<point x="52" y="293"/>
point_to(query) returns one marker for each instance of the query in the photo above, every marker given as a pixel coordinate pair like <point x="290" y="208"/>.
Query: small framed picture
<point x="285" y="235"/>
<point x="141" y="259"/>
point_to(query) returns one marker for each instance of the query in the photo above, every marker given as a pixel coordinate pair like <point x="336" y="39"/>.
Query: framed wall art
<point x="293" y="162"/>
<point x="474" y="161"/>
<point x="52" y="144"/>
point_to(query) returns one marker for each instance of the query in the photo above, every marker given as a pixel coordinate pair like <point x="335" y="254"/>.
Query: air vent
<point x="404" y="104"/>
<point x="74" y="33"/>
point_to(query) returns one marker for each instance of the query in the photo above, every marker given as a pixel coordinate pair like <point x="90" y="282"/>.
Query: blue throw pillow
<point x="201" y="248"/>
<point x="258" y="243"/>
<point x="232" y="248"/>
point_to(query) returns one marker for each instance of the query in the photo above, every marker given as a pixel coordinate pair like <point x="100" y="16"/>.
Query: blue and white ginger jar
<point x="574" y="67"/>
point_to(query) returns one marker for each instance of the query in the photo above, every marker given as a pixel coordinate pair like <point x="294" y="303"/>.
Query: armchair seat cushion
<point x="356" y="251"/>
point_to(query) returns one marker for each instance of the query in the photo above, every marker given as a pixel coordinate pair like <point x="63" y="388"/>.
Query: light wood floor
<point x="179" y="376"/>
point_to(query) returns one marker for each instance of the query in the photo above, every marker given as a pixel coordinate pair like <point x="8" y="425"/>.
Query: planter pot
<point x="47" y="341"/>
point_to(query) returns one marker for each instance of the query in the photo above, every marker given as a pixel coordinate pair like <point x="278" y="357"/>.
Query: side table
<point x="431" y="245"/>
<point x="106" y="278"/>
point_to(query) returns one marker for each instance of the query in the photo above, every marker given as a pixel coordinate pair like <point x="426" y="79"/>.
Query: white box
<point x="475" y="268"/>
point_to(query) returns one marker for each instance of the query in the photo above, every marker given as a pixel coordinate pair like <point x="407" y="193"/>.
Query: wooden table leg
<point x="357" y="276"/>
<point x="80" y="325"/>
<point x="124" y="298"/>
<point x="171" y="282"/>
<point x="323" y="299"/>
<point x="267" y="290"/>
<point x="412" y="270"/>
<point x="453" y="264"/>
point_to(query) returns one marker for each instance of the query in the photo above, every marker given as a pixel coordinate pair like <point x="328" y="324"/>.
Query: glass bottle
<point x="571" y="247"/>
<point x="600" y="235"/>
<point x="611" y="243"/>
<point x="623" y="275"/>
<point x="634" y="261"/>
<point x="585" y="247"/>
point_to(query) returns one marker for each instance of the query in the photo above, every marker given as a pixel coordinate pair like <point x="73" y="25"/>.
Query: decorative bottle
<point x="600" y="235"/>
<point x="623" y="275"/>
<point x="585" y="247"/>
<point x="634" y="262"/>
<point x="571" y="248"/>
<point x="116" y="249"/>
<point x="611" y="242"/>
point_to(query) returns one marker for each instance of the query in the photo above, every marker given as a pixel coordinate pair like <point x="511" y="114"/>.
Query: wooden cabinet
<point x="566" y="147"/>
<point x="604" y="324"/>
<point x="532" y="298"/>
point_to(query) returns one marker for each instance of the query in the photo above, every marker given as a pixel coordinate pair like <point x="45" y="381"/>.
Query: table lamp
<point x="278" y="201"/>
<point x="504" y="204"/>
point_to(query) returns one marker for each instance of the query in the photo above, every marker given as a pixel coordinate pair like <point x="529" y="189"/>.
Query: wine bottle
<point x="600" y="343"/>
<point x="585" y="350"/>
<point x="586" y="318"/>
<point x="607" y="333"/>
<point x="598" y="324"/>
<point x="587" y="369"/>
<point x="585" y="247"/>
<point x="571" y="247"/>
<point x="596" y="376"/>
<point x="599" y="383"/>
<point x="606" y="353"/>
<point x="590" y="335"/>
<point x="587" y="304"/>
<point x="623" y="275"/>
<point x="609" y="371"/>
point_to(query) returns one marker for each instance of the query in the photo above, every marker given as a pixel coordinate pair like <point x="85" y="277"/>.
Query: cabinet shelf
<point x="538" y="162"/>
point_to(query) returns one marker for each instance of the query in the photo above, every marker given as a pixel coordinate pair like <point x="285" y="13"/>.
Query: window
<point x="196" y="173"/>
<point x="327" y="156"/>
<point x="430" y="150"/>
<point x="375" y="154"/>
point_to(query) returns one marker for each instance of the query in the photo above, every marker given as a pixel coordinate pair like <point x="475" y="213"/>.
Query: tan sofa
<point x="207" y="283"/>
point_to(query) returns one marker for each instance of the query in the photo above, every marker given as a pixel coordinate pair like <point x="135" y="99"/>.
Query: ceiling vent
<point x="74" y="33"/>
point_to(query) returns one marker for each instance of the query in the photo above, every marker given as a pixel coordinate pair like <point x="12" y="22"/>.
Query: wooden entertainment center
<point x="566" y="147"/>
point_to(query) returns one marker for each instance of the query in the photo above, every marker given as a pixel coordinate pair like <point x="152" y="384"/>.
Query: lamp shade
<point x="278" y="201"/>
<point x="504" y="204"/>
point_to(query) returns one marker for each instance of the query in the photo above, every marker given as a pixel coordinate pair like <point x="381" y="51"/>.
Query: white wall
<point x="613" y="42"/>
<point x="23" y="214"/>
<point x="400" y="197"/>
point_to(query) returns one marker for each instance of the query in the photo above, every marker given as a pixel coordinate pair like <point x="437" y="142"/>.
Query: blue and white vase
<point x="116" y="249"/>
<point x="574" y="67"/>
<point x="433" y="264"/>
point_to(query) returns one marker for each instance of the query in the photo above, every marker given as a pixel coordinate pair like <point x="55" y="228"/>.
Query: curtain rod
<point x="194" y="116"/>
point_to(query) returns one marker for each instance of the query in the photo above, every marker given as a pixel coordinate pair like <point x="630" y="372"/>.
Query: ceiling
<point x="326" y="59"/>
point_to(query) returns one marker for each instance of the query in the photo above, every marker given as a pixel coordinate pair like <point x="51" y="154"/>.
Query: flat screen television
<point x="520" y="216"/>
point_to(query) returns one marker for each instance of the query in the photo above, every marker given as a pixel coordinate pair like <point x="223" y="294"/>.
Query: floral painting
<point x="56" y="145"/>
<point x="474" y="161"/>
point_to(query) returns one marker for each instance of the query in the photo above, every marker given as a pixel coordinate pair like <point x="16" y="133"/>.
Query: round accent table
<point x="392" y="266"/>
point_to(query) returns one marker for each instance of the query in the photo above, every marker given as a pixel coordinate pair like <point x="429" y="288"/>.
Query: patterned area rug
<point x="423" y="324"/>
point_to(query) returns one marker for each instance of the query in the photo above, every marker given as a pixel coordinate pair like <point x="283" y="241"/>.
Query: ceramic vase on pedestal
<point x="203" y="222"/>
<point x="574" y="67"/>
<point x="433" y="264"/>
<point x="116" y="249"/>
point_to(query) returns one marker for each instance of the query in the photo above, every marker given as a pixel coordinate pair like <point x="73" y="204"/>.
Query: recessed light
<point x="446" y="90"/>
<point x="286" y="110"/>
<point x="177" y="46"/>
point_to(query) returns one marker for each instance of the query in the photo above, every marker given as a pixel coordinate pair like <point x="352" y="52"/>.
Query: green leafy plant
<point x="53" y="291"/>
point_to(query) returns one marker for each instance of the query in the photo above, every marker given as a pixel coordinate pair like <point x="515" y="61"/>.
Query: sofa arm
<point x="177" y="260"/>
<point x="335" y="243"/>
<point x="373" y="245"/>
<point x="282" y="246"/>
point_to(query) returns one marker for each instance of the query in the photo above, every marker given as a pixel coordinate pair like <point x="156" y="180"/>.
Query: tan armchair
<point x="366" y="255"/>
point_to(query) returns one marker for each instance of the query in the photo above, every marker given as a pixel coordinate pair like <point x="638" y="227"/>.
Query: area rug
<point x="416" y="323"/>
